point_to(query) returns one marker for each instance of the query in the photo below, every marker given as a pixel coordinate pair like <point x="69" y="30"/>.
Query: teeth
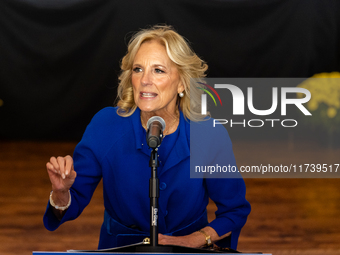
<point x="148" y="94"/>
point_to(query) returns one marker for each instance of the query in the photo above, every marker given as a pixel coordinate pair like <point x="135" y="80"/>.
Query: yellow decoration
<point x="324" y="104"/>
<point x="331" y="112"/>
<point x="312" y="105"/>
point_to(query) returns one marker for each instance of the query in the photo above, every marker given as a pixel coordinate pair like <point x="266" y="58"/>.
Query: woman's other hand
<point x="61" y="173"/>
<point x="194" y="240"/>
<point x="62" y="176"/>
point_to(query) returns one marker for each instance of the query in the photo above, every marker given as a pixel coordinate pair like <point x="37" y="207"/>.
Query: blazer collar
<point x="138" y="129"/>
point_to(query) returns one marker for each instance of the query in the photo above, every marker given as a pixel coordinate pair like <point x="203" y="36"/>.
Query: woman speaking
<point x="154" y="81"/>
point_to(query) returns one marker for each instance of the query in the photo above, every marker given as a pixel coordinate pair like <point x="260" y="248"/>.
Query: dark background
<point x="59" y="60"/>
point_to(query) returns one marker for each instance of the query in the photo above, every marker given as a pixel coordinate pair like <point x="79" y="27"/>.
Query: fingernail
<point x="63" y="175"/>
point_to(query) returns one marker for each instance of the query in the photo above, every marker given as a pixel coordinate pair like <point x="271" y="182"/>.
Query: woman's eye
<point x="137" y="69"/>
<point x="159" y="70"/>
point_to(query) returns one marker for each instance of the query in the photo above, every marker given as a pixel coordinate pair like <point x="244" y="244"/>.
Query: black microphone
<point x="154" y="135"/>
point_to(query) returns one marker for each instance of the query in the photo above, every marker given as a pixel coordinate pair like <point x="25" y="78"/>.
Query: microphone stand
<point x="154" y="195"/>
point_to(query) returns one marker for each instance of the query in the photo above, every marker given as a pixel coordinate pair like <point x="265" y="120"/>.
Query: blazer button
<point x="162" y="186"/>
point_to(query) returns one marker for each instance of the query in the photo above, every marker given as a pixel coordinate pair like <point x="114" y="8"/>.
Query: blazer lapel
<point x="181" y="149"/>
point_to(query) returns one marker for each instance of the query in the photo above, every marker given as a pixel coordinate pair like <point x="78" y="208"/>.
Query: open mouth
<point x="148" y="94"/>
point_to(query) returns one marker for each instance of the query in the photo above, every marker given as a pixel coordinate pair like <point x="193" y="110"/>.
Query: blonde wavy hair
<point x="188" y="63"/>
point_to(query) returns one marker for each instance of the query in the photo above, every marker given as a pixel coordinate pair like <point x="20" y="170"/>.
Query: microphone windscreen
<point x="156" y="118"/>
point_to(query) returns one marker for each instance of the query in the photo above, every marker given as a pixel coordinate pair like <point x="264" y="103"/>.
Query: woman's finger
<point x="61" y="162"/>
<point x="68" y="165"/>
<point x="50" y="167"/>
<point x="55" y="164"/>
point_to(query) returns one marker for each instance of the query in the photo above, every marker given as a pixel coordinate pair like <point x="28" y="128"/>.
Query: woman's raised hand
<point x="61" y="173"/>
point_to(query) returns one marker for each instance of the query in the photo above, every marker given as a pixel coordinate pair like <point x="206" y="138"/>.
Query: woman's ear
<point x="180" y="88"/>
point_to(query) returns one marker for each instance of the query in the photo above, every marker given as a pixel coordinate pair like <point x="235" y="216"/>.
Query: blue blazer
<point x="113" y="148"/>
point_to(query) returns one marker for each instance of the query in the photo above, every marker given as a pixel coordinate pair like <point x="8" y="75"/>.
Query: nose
<point x="146" y="78"/>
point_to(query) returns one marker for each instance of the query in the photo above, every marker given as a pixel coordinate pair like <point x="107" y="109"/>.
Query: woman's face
<point x="155" y="79"/>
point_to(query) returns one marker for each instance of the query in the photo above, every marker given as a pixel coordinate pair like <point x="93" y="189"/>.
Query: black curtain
<point x="59" y="60"/>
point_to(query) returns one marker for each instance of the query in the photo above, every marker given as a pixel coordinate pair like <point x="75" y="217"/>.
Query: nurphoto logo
<point x="238" y="104"/>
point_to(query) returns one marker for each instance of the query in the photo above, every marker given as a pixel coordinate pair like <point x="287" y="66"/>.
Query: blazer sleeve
<point x="227" y="189"/>
<point x="88" y="169"/>
<point x="228" y="193"/>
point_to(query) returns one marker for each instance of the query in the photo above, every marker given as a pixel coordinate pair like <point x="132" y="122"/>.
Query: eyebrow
<point x="154" y="65"/>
